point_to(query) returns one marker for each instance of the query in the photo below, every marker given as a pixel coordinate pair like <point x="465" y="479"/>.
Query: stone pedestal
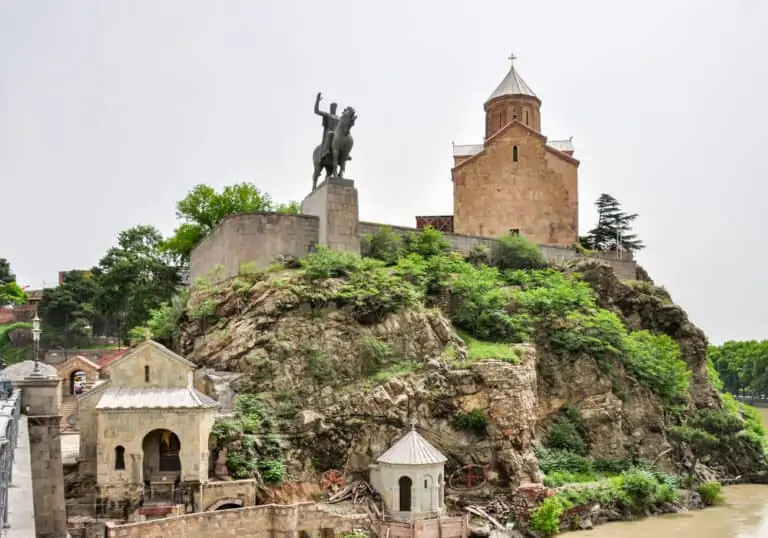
<point x="334" y="202"/>
<point x="40" y="401"/>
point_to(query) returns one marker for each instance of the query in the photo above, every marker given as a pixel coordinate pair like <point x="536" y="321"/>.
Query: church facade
<point x="516" y="181"/>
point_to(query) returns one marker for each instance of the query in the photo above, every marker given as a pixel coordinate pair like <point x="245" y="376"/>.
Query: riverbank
<point x="743" y="514"/>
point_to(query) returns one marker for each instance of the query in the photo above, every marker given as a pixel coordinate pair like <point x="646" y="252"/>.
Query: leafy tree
<point x="203" y="208"/>
<point x="69" y="308"/>
<point x="614" y="227"/>
<point x="6" y="275"/>
<point x="742" y="366"/>
<point x="135" y="277"/>
<point x="10" y="291"/>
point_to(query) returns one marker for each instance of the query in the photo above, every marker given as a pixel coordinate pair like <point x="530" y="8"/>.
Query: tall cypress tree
<point x="614" y="227"/>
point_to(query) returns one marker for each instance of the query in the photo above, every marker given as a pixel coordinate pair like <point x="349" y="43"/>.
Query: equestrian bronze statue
<point x="334" y="151"/>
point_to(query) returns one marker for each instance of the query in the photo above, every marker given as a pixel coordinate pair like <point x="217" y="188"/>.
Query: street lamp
<point x="36" y="338"/>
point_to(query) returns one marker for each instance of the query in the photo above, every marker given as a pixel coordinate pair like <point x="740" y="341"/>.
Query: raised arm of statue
<point x="317" y="105"/>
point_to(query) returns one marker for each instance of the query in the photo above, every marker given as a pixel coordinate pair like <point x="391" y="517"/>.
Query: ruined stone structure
<point x="145" y="430"/>
<point x="410" y="478"/>
<point x="516" y="180"/>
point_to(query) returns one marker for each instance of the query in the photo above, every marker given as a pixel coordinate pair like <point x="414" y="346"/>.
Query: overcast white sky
<point x="110" y="111"/>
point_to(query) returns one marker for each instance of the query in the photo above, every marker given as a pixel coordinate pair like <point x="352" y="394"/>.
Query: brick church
<point x="516" y="180"/>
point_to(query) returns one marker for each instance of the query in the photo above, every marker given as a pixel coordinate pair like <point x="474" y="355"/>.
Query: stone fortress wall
<point x="329" y="217"/>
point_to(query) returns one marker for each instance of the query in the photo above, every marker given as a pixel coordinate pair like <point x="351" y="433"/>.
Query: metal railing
<point x="10" y="409"/>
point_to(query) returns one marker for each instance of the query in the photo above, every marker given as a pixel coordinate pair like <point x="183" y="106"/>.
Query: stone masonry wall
<point x="253" y="237"/>
<point x="228" y="247"/>
<point x="266" y="521"/>
<point x="216" y="492"/>
<point x="625" y="269"/>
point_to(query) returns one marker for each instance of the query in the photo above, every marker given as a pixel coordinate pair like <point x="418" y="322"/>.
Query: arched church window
<point x="146" y="369"/>
<point x="526" y="117"/>
<point x="514" y="153"/>
<point x="119" y="457"/>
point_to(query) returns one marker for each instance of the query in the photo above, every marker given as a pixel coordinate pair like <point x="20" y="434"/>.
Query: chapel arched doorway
<point x="405" y="484"/>
<point x="162" y="450"/>
<point x="77" y="382"/>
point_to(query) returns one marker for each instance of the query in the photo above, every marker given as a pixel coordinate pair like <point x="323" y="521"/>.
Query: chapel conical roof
<point x="512" y="84"/>
<point x="412" y="449"/>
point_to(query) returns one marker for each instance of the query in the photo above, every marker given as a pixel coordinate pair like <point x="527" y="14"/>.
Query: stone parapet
<point x="266" y="521"/>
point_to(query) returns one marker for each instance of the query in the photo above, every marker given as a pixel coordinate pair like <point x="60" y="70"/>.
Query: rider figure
<point x="330" y="121"/>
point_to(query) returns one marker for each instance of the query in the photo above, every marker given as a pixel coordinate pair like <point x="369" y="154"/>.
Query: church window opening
<point x="146" y="369"/>
<point x="514" y="153"/>
<point x="119" y="457"/>
<point x="526" y="117"/>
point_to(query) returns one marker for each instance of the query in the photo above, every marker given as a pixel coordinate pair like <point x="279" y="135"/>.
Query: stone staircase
<point x="68" y="407"/>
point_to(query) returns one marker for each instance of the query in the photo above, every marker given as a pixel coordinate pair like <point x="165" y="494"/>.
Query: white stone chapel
<point x="410" y="477"/>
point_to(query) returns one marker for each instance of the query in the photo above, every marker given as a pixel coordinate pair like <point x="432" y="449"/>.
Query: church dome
<point x="513" y="99"/>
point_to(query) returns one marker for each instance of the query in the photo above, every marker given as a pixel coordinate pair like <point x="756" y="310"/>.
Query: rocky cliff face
<point x="341" y="386"/>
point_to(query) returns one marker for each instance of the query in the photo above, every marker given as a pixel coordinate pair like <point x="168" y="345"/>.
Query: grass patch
<point x="478" y="350"/>
<point x="396" y="370"/>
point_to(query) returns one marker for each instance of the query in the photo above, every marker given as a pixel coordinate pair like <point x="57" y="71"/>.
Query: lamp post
<point x="36" y="338"/>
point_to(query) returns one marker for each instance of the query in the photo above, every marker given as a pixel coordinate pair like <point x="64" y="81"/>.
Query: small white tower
<point x="410" y="477"/>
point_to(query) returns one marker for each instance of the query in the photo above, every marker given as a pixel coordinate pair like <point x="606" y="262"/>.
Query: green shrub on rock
<point x="516" y="252"/>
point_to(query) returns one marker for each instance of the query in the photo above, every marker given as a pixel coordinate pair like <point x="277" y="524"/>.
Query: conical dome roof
<point x="412" y="449"/>
<point x="512" y="84"/>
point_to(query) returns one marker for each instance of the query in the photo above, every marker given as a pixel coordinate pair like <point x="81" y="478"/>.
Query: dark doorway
<point x="405" y="484"/>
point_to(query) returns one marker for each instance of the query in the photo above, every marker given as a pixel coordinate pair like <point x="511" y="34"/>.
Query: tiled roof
<point x="21" y="370"/>
<point x="412" y="449"/>
<point x="86" y="360"/>
<point x="513" y="84"/>
<point x="561" y="145"/>
<point x="154" y="398"/>
<point x="467" y="150"/>
<point x="109" y="358"/>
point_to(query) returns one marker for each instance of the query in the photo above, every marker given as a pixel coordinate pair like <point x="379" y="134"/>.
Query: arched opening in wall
<point x="526" y="116"/>
<point x="440" y="490"/>
<point x="119" y="457"/>
<point x="514" y="153"/>
<point x="225" y="504"/>
<point x="161" y="455"/>
<point x="77" y="382"/>
<point x="405" y="484"/>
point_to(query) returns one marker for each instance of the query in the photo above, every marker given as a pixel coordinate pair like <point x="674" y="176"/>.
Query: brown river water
<point x="744" y="515"/>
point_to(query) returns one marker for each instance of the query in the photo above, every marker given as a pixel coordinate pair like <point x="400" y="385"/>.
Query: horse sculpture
<point x="334" y="162"/>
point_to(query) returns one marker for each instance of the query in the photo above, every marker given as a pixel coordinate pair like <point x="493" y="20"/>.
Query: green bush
<point x="427" y="243"/>
<point x="374" y="354"/>
<point x="656" y="362"/>
<point x="546" y="517"/>
<point x="326" y="263"/>
<point x="516" y="252"/>
<point x="598" y="333"/>
<point x="711" y="493"/>
<point x="567" y="434"/>
<point x="474" y="420"/>
<point x="384" y="245"/>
